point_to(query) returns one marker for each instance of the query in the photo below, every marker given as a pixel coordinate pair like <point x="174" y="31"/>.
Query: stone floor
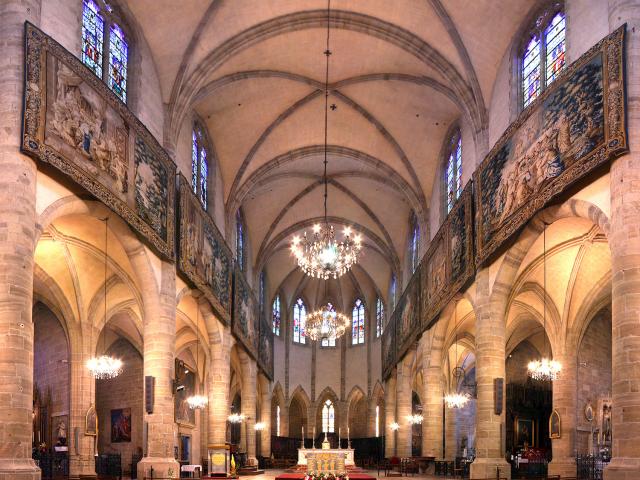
<point x="272" y="474"/>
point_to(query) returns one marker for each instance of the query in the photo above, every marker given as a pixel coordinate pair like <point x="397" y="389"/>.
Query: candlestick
<point x="314" y="438"/>
<point x="303" y="438"/>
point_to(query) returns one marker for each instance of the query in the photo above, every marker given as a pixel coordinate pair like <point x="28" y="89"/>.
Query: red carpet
<point x="300" y="476"/>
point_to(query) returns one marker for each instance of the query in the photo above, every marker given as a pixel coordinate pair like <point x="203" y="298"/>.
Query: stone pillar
<point x="83" y="396"/>
<point x="490" y="364"/>
<point x="389" y="417"/>
<point x="248" y="405"/>
<point x="159" y="322"/>
<point x="265" y="417"/>
<point x="17" y="245"/>
<point x="221" y="342"/>
<point x="433" y="397"/>
<point x="624" y="243"/>
<point x="565" y="402"/>
<point x="403" y="405"/>
<point x="450" y="443"/>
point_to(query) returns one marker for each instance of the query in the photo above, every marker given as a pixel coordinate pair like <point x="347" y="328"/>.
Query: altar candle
<point x="348" y="431"/>
<point x="302" y="433"/>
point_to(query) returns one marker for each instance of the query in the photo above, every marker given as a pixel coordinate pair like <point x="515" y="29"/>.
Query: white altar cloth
<point x="302" y="454"/>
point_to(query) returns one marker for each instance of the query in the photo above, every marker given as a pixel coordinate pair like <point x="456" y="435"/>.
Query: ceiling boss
<point x="320" y="254"/>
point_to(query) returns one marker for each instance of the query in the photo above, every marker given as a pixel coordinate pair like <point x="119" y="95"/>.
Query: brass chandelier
<point x="320" y="254"/>
<point x="324" y="323"/>
<point x="456" y="399"/>
<point x="197" y="401"/>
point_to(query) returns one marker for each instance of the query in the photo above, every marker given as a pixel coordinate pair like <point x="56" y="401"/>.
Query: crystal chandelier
<point x="544" y="369"/>
<point x="394" y="426"/>
<point x="197" y="402"/>
<point x="415" y="419"/>
<point x="320" y="254"/>
<point x="235" y="418"/>
<point x="325" y="323"/>
<point x="105" y="366"/>
<point x="456" y="399"/>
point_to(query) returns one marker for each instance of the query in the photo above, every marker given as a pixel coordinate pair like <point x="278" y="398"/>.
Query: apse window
<point x="328" y="417"/>
<point x="276" y="316"/>
<point x="98" y="22"/>
<point x="379" y="317"/>
<point x="453" y="170"/>
<point x="199" y="166"/>
<point x="414" y="242"/>
<point x="543" y="56"/>
<point x="357" y="320"/>
<point x="299" y="322"/>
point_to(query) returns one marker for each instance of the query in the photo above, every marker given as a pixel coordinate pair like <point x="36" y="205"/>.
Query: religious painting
<point x="185" y="387"/>
<point x="448" y="264"/>
<point x="121" y="425"/>
<point x="203" y="255"/>
<point x="407" y="316"/>
<point x="91" y="422"/>
<point x="388" y="348"/>
<point x="524" y="432"/>
<point x="245" y="325"/>
<point x="265" y="347"/>
<point x="576" y="125"/>
<point x="75" y="123"/>
<point x="59" y="431"/>
<point x="554" y="425"/>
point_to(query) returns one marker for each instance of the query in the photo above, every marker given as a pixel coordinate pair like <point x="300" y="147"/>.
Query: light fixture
<point x="235" y="418"/>
<point x="544" y="369"/>
<point x="394" y="426"/>
<point x="105" y="366"/>
<point x="260" y="426"/>
<point x="456" y="399"/>
<point x="320" y="254"/>
<point x="195" y="401"/>
<point x="415" y="419"/>
<point x="325" y="323"/>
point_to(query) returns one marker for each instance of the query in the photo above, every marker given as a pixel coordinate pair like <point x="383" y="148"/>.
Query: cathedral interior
<point x="298" y="238"/>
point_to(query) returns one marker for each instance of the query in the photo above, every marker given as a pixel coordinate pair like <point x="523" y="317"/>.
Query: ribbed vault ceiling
<point x="402" y="72"/>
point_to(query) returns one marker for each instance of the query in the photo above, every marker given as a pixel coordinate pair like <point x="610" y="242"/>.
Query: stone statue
<point x="61" y="430"/>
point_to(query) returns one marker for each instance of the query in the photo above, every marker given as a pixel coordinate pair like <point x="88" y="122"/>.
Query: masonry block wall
<point x="124" y="391"/>
<point x="594" y="372"/>
<point x="51" y="364"/>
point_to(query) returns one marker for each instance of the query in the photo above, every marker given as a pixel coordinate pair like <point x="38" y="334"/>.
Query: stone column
<point x="83" y="396"/>
<point x="17" y="245"/>
<point x="265" y="417"/>
<point x="389" y="416"/>
<point x="624" y="243"/>
<point x="159" y="322"/>
<point x="565" y="402"/>
<point x="221" y="342"/>
<point x="433" y="397"/>
<point x="248" y="404"/>
<point x="403" y="405"/>
<point x="450" y="437"/>
<point x="490" y="364"/>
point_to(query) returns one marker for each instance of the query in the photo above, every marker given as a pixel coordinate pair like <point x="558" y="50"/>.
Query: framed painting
<point x="244" y="324"/>
<point x="576" y="125"/>
<point x="555" y="425"/>
<point x="73" y="122"/>
<point x="121" y="425"/>
<point x="91" y="422"/>
<point x="203" y="255"/>
<point x="185" y="386"/>
<point x="525" y="432"/>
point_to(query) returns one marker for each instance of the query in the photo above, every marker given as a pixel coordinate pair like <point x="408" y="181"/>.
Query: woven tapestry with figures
<point x="245" y="326"/>
<point x="577" y="125"/>
<point x="73" y="122"/>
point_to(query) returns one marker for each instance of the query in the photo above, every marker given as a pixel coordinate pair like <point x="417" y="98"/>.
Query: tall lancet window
<point x="299" y="322"/>
<point x="276" y="316"/>
<point x="328" y="417"/>
<point x="200" y="166"/>
<point x="453" y="170"/>
<point x="357" y="322"/>
<point x="543" y="52"/>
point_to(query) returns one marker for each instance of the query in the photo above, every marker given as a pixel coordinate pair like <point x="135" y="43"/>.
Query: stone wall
<point x="124" y="391"/>
<point x="594" y="372"/>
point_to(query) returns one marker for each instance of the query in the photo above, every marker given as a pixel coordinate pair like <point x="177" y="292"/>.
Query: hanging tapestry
<point x="407" y="316"/>
<point x="244" y="323"/>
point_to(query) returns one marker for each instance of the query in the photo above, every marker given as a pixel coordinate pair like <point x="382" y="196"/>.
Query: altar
<point x="326" y="455"/>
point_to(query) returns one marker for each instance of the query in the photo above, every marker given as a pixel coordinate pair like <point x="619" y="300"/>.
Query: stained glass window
<point x="118" y="54"/>
<point x="555" y="37"/>
<point x="357" y="322"/>
<point x="240" y="245"/>
<point x="299" y="322"/>
<point x="379" y="317"/>
<point x="414" y="243"/>
<point x="453" y="177"/>
<point x="199" y="166"/>
<point x="543" y="55"/>
<point x="392" y="291"/>
<point x="329" y="311"/>
<point x="92" y="36"/>
<point x="278" y="420"/>
<point x="328" y="417"/>
<point x="275" y="315"/>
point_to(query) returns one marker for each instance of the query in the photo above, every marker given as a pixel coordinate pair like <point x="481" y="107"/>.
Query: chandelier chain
<point x="327" y="53"/>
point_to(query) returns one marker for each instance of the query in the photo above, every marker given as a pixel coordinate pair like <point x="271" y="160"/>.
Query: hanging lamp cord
<point x="327" y="53"/>
<point x="106" y="229"/>
<point x="544" y="286"/>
